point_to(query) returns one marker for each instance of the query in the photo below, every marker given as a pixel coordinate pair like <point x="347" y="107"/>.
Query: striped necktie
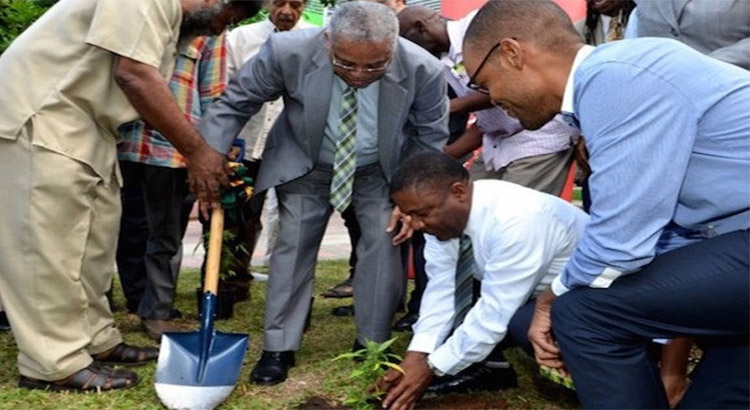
<point x="465" y="269"/>
<point x="616" y="30"/>
<point x="344" y="160"/>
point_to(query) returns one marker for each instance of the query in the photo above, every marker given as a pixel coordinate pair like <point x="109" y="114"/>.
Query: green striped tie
<point x="465" y="270"/>
<point x="344" y="160"/>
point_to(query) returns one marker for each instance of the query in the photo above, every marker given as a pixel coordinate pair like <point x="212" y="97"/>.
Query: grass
<point x="316" y="374"/>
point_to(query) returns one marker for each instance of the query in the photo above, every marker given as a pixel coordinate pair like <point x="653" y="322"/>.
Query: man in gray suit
<point x="357" y="100"/>
<point x="718" y="28"/>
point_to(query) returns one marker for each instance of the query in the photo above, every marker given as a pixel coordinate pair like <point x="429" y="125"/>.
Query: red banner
<point x="455" y="9"/>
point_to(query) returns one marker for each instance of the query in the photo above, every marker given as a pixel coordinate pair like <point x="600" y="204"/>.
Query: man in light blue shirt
<point x="666" y="251"/>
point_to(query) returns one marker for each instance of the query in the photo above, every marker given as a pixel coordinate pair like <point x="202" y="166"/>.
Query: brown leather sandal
<point x="126" y="355"/>
<point x="92" y="378"/>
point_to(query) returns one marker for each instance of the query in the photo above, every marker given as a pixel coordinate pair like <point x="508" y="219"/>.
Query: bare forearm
<point x="470" y="103"/>
<point x="151" y="97"/>
<point x="466" y="143"/>
<point x="149" y="94"/>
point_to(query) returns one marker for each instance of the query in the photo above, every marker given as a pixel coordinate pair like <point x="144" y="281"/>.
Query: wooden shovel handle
<point x="213" y="260"/>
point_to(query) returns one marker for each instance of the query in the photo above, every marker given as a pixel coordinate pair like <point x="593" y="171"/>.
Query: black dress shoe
<point x="357" y="346"/>
<point x="404" y="324"/>
<point x="346" y="310"/>
<point x="4" y="324"/>
<point x="481" y="376"/>
<point x="272" y="367"/>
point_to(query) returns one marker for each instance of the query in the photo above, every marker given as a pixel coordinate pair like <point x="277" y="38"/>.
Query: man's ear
<point x="512" y="52"/>
<point x="327" y="38"/>
<point x="460" y="190"/>
<point x="420" y="26"/>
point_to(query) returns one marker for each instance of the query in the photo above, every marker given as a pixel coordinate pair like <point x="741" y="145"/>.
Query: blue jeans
<point x="700" y="290"/>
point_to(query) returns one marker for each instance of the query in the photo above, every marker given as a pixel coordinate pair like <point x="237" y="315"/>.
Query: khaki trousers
<point x="58" y="231"/>
<point x="545" y="173"/>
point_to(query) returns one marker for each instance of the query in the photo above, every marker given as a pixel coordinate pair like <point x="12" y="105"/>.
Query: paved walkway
<point x="335" y="243"/>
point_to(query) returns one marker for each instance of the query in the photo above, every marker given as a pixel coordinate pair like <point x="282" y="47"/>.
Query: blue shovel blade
<point x="180" y="359"/>
<point x="202" y="358"/>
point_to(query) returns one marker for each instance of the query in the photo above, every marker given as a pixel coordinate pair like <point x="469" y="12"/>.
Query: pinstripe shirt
<point x="199" y="76"/>
<point x="498" y="148"/>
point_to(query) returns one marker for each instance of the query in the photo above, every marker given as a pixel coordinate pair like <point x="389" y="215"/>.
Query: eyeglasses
<point x="352" y="68"/>
<point x="472" y="80"/>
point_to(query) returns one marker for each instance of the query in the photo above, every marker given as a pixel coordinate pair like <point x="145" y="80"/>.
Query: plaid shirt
<point x="199" y="77"/>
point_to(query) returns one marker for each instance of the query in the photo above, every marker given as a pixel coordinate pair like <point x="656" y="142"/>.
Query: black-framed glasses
<point x="472" y="80"/>
<point x="351" y="67"/>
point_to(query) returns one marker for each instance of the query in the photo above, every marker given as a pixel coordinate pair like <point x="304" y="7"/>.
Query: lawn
<point x="316" y="374"/>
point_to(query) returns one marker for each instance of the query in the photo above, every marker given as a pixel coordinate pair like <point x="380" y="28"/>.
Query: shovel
<point x="198" y="370"/>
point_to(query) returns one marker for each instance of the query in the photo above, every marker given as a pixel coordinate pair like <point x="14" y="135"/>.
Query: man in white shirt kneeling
<point x="520" y="239"/>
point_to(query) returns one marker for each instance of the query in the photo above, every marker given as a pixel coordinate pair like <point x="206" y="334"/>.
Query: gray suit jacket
<point x="718" y="28"/>
<point x="412" y="113"/>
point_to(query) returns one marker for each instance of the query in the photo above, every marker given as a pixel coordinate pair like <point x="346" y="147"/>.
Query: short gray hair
<point x="363" y="21"/>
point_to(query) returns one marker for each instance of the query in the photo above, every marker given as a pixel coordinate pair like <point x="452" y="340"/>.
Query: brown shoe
<point x="93" y="378"/>
<point x="155" y="328"/>
<point x="340" y="291"/>
<point x="126" y="355"/>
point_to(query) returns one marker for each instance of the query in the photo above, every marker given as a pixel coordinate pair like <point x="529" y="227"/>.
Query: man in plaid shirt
<point x="156" y="200"/>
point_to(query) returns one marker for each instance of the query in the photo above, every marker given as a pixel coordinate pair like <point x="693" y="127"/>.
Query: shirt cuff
<point x="557" y="286"/>
<point x="445" y="361"/>
<point x="423" y="343"/>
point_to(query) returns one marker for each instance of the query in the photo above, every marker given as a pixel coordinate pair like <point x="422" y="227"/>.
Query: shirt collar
<point x="567" y="101"/>
<point x="456" y="30"/>
<point x="476" y="220"/>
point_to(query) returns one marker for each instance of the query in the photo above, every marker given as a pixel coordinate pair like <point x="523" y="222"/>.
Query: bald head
<point x="541" y="22"/>
<point x="395" y="5"/>
<point x="424" y="27"/>
<point x="408" y="16"/>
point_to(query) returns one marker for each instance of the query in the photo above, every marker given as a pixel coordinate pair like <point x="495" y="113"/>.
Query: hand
<point x="406" y="230"/>
<point x="581" y="155"/>
<point x="540" y="332"/>
<point x="406" y="389"/>
<point x="207" y="172"/>
<point x="390" y="379"/>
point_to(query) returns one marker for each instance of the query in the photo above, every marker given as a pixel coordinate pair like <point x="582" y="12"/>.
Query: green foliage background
<point x="17" y="15"/>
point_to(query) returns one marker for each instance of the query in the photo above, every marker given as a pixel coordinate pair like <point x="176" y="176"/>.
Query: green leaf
<point x="394" y="366"/>
<point x="385" y="345"/>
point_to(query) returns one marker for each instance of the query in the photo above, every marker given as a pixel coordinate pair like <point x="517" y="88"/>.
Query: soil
<point x="460" y="402"/>
<point x="319" y="403"/>
<point x="446" y="402"/>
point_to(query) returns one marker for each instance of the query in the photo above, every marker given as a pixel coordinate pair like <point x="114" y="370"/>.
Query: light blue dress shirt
<point x="668" y="133"/>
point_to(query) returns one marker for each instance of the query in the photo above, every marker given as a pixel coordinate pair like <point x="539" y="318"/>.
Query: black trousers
<point x="701" y="291"/>
<point x="155" y="210"/>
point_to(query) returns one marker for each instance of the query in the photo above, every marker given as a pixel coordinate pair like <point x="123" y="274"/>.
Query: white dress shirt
<point x="521" y="240"/>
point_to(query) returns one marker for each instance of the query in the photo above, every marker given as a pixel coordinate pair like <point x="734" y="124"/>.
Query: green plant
<point x="232" y="252"/>
<point x="16" y="16"/>
<point x="376" y="358"/>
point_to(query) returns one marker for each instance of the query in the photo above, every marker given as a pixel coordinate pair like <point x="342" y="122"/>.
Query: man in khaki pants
<point x="82" y="70"/>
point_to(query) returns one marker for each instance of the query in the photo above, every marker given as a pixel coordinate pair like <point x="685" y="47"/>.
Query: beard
<point x="198" y="23"/>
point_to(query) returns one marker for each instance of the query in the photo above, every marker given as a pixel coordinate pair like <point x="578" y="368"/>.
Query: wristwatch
<point x="434" y="369"/>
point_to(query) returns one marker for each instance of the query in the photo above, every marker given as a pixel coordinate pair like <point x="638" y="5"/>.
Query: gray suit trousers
<point x="304" y="212"/>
